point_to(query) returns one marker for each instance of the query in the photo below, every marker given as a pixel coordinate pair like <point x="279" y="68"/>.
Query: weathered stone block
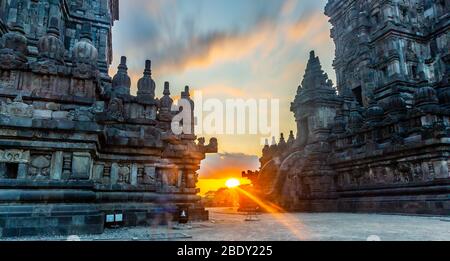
<point x="78" y="220"/>
<point x="42" y="114"/>
<point x="81" y="165"/>
<point x="22" y="171"/>
<point x="114" y="173"/>
<point x="57" y="165"/>
<point x="53" y="106"/>
<point x="133" y="175"/>
<point x="60" y="115"/>
<point x="97" y="174"/>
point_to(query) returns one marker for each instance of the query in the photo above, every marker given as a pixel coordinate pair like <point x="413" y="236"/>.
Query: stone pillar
<point x="441" y="169"/>
<point x="134" y="174"/>
<point x="164" y="178"/>
<point x="150" y="171"/>
<point x="57" y="166"/>
<point x="114" y="173"/>
<point x="190" y="179"/>
<point x="2" y="170"/>
<point x="97" y="174"/>
<point x="23" y="171"/>
<point x="180" y="179"/>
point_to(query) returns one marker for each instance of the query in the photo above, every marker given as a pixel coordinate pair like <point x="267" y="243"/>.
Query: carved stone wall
<point x="35" y="18"/>
<point x="381" y="144"/>
<point x="73" y="138"/>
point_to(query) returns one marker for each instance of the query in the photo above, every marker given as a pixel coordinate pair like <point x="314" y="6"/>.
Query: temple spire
<point x="314" y="75"/>
<point x="121" y="82"/>
<point x="146" y="85"/>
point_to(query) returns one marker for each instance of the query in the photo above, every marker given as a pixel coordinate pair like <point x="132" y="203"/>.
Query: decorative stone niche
<point x="97" y="173"/>
<point x="147" y="175"/>
<point x="124" y="174"/>
<point x="40" y="166"/>
<point x="81" y="166"/>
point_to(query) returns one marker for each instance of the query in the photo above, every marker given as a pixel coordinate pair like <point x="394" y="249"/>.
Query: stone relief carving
<point x="124" y="174"/>
<point x="40" y="167"/>
<point x="82" y="114"/>
<point x="115" y="110"/>
<point x="147" y="175"/>
<point x="14" y="156"/>
<point x="8" y="79"/>
<point x="212" y="147"/>
<point x="395" y="173"/>
<point x="16" y="108"/>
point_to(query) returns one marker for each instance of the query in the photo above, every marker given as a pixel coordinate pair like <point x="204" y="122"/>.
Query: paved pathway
<point x="228" y="225"/>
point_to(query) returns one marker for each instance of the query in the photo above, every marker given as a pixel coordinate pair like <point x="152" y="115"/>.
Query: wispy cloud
<point x="177" y="39"/>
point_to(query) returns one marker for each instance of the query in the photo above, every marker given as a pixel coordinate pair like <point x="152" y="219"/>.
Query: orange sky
<point x="207" y="185"/>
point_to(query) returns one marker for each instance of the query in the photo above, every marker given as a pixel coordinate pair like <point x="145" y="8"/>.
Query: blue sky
<point x="227" y="49"/>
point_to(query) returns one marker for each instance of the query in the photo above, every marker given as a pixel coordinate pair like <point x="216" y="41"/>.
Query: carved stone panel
<point x="16" y="108"/>
<point x="57" y="165"/>
<point x="81" y="166"/>
<point x="147" y="175"/>
<point x="14" y="156"/>
<point x="40" y="167"/>
<point x="134" y="175"/>
<point x="124" y="174"/>
<point x="97" y="173"/>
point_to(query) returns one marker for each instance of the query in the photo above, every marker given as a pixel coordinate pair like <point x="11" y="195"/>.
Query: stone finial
<point x="166" y="89"/>
<point x="166" y="102"/>
<point x="146" y="85"/>
<point x="16" y="40"/>
<point x="123" y="63"/>
<point x="375" y="112"/>
<point x="282" y="144"/>
<point x="148" y="67"/>
<point x="444" y="97"/>
<point x="84" y="51"/>
<point x="274" y="141"/>
<point x="121" y="82"/>
<point x="53" y="28"/>
<point x="187" y="95"/>
<point x="426" y="96"/>
<point x="291" y="139"/>
<point x="186" y="92"/>
<point x="282" y="139"/>
<point x="395" y="104"/>
<point x="356" y="120"/>
<point x="86" y="33"/>
<point x="340" y="123"/>
<point x="266" y="148"/>
<point x="50" y="46"/>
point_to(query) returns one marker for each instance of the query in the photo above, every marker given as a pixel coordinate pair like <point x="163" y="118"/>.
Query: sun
<point x="233" y="183"/>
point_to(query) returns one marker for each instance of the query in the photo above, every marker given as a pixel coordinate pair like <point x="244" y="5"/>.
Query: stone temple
<point x="75" y="145"/>
<point x="380" y="140"/>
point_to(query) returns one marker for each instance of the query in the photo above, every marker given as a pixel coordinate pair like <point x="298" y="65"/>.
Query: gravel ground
<point x="228" y="225"/>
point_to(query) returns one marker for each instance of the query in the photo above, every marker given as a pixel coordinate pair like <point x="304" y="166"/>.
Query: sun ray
<point x="281" y="216"/>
